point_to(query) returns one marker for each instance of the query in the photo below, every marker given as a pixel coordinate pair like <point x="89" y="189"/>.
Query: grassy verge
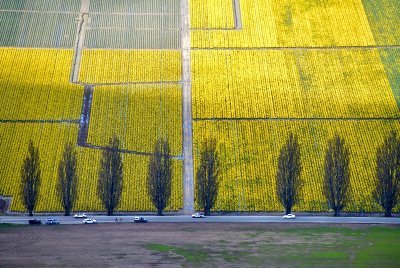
<point x="371" y="246"/>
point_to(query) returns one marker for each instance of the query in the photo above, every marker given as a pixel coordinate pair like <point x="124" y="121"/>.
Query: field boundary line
<point x="299" y="119"/>
<point x="302" y="48"/>
<point x="125" y="151"/>
<point x="39" y="121"/>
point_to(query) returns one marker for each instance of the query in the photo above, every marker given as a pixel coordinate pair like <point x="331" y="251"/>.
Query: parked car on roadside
<point x="140" y="219"/>
<point x="289" y="216"/>
<point x="80" y="216"/>
<point x="52" y="221"/>
<point x="89" y="221"/>
<point x="198" y="215"/>
<point x="35" y="221"/>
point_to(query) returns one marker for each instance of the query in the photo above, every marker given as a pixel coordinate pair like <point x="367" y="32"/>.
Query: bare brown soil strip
<point x="129" y="244"/>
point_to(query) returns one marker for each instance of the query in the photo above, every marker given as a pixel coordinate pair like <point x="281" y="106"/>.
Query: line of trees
<point x="336" y="182"/>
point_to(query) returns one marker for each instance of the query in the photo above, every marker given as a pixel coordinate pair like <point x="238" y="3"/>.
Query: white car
<point x="197" y="215"/>
<point x="80" y="216"/>
<point x="289" y="216"/>
<point x="89" y="221"/>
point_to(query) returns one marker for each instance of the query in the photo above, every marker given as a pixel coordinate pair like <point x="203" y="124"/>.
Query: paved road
<point x="222" y="219"/>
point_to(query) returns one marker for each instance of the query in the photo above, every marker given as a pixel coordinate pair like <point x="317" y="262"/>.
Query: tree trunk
<point x="109" y="212"/>
<point x="288" y="210"/>
<point x="159" y="212"/>
<point x="388" y="213"/>
<point x="207" y="212"/>
<point x="336" y="213"/>
<point x="30" y="213"/>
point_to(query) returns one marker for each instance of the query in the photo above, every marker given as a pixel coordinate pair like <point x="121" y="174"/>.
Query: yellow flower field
<point x="285" y="23"/>
<point x="50" y="139"/>
<point x="34" y="84"/>
<point x="249" y="153"/>
<point x="119" y="66"/>
<point x="138" y="115"/>
<point x="308" y="66"/>
<point x="291" y="84"/>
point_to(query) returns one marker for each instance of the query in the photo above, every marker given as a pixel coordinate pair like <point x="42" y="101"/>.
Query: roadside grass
<point x="326" y="246"/>
<point x="10" y="225"/>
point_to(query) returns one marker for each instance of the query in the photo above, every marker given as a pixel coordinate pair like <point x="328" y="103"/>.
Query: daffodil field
<point x="311" y="67"/>
<point x="125" y="110"/>
<point x="34" y="85"/>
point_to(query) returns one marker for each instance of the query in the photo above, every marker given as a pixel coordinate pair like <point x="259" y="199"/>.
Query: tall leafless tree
<point x="159" y="177"/>
<point x="67" y="179"/>
<point x="207" y="176"/>
<point x="288" y="180"/>
<point x="387" y="183"/>
<point x="110" y="182"/>
<point x="337" y="174"/>
<point x="30" y="178"/>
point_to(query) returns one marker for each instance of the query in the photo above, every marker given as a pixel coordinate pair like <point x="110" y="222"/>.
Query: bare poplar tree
<point x="337" y="174"/>
<point x="159" y="177"/>
<point x="288" y="181"/>
<point x="30" y="178"/>
<point x="207" y="176"/>
<point x="387" y="183"/>
<point x="67" y="179"/>
<point x="110" y="182"/>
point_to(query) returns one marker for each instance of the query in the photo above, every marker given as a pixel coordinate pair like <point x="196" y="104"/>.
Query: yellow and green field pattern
<point x="296" y="23"/>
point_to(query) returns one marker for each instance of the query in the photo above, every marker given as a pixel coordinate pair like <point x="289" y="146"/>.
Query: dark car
<point x="35" y="221"/>
<point x="140" y="219"/>
<point x="52" y="221"/>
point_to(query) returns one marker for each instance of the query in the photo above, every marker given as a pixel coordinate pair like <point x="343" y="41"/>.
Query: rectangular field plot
<point x="291" y="84"/>
<point x="138" y="115"/>
<point x="291" y="23"/>
<point x="34" y="85"/>
<point x="211" y="14"/>
<point x="133" y="31"/>
<point x="130" y="24"/>
<point x="249" y="152"/>
<point x="118" y="66"/>
<point x="384" y="19"/>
